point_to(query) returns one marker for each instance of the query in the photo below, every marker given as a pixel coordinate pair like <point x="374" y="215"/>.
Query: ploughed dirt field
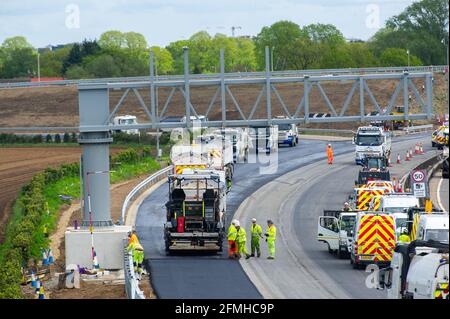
<point x="58" y="106"/>
<point x="18" y="165"/>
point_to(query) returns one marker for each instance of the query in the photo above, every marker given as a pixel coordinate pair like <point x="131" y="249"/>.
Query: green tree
<point x="17" y="58"/>
<point x="200" y="47"/>
<point x="75" y="57"/>
<point x="176" y="50"/>
<point x="163" y="60"/>
<point x="324" y="33"/>
<point x="77" y="72"/>
<point x="398" y="57"/>
<point x="57" y="138"/>
<point x="246" y="58"/>
<point x="421" y="28"/>
<point x="135" y="41"/>
<point x="281" y="37"/>
<point x="103" y="66"/>
<point x="112" y="40"/>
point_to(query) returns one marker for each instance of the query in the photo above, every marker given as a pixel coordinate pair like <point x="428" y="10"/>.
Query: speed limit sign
<point x="418" y="176"/>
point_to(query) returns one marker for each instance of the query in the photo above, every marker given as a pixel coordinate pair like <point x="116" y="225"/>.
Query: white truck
<point x="287" y="133"/>
<point x="126" y="120"/>
<point x="396" y="204"/>
<point x="239" y="137"/>
<point x="418" y="270"/>
<point x="371" y="140"/>
<point x="264" y="139"/>
<point x="335" y="229"/>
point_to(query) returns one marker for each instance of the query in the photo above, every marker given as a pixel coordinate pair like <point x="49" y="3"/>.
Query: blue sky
<point x="45" y="22"/>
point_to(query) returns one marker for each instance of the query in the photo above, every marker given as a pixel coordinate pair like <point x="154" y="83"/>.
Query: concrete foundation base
<point x="108" y="244"/>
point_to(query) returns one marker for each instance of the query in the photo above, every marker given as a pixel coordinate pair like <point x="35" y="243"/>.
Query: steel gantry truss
<point x="96" y="115"/>
<point x="300" y="115"/>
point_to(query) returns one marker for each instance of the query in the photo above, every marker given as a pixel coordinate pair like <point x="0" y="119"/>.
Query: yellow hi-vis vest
<point x="272" y="233"/>
<point x="232" y="232"/>
<point x="241" y="235"/>
<point x="256" y="230"/>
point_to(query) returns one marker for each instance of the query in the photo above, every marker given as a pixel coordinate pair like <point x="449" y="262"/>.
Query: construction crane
<point x="233" y="29"/>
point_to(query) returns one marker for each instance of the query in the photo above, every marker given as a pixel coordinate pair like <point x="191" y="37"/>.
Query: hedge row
<point x="25" y="236"/>
<point x="37" y="139"/>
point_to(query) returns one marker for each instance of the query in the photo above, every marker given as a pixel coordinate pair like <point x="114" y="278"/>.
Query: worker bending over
<point x="241" y="241"/>
<point x="271" y="235"/>
<point x="330" y="155"/>
<point x="137" y="252"/>
<point x="256" y="232"/>
<point x="232" y="234"/>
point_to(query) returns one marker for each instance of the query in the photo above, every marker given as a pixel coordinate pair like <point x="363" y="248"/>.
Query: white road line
<point x="439" y="194"/>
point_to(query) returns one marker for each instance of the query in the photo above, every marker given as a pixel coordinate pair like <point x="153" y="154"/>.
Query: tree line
<point x="421" y="29"/>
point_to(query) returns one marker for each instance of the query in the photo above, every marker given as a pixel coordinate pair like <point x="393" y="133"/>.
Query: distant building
<point x="354" y="40"/>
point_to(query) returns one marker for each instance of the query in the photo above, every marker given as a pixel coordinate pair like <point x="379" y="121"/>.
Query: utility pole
<point x="407" y="52"/>
<point x="39" y="66"/>
<point x="271" y="58"/>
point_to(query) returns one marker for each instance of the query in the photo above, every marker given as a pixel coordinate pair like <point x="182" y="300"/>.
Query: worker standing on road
<point x="404" y="237"/>
<point x="232" y="234"/>
<point x="271" y="235"/>
<point x="241" y="241"/>
<point x="256" y="232"/>
<point x="330" y="154"/>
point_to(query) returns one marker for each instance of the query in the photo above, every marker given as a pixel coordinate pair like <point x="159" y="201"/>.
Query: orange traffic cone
<point x="416" y="149"/>
<point x="389" y="162"/>
<point x="421" y="152"/>
<point x="394" y="183"/>
<point x="398" y="159"/>
<point x="407" y="156"/>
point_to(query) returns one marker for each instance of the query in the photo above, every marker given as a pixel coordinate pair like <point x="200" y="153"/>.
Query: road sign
<point x="418" y="176"/>
<point x="419" y="183"/>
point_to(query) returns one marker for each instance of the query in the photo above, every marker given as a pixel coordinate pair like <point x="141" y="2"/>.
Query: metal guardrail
<point x="131" y="283"/>
<point x="438" y="68"/>
<point x="320" y="130"/>
<point x="418" y="128"/>
<point x="142" y="186"/>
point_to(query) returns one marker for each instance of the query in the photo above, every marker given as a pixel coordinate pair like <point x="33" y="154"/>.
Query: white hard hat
<point x="346" y="204"/>
<point x="237" y="223"/>
<point x="254" y="220"/>
<point x="329" y="144"/>
<point x="234" y="221"/>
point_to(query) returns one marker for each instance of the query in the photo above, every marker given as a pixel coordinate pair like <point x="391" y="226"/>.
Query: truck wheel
<point x="330" y="251"/>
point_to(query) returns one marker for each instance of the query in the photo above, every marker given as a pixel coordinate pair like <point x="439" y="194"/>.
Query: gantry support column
<point x="94" y="111"/>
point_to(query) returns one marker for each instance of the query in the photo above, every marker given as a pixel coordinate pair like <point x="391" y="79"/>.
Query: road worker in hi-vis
<point x="271" y="235"/>
<point x="232" y="234"/>
<point x="241" y="241"/>
<point x="330" y="154"/>
<point x="256" y="232"/>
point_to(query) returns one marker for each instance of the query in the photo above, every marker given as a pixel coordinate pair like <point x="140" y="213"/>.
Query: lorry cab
<point x="126" y="120"/>
<point x="287" y="133"/>
<point x="397" y="205"/>
<point x="433" y="227"/>
<point x="335" y="229"/>
<point x="264" y="139"/>
<point x="371" y="141"/>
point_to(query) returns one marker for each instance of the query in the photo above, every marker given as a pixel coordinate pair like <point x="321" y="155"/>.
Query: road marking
<point x="439" y="194"/>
